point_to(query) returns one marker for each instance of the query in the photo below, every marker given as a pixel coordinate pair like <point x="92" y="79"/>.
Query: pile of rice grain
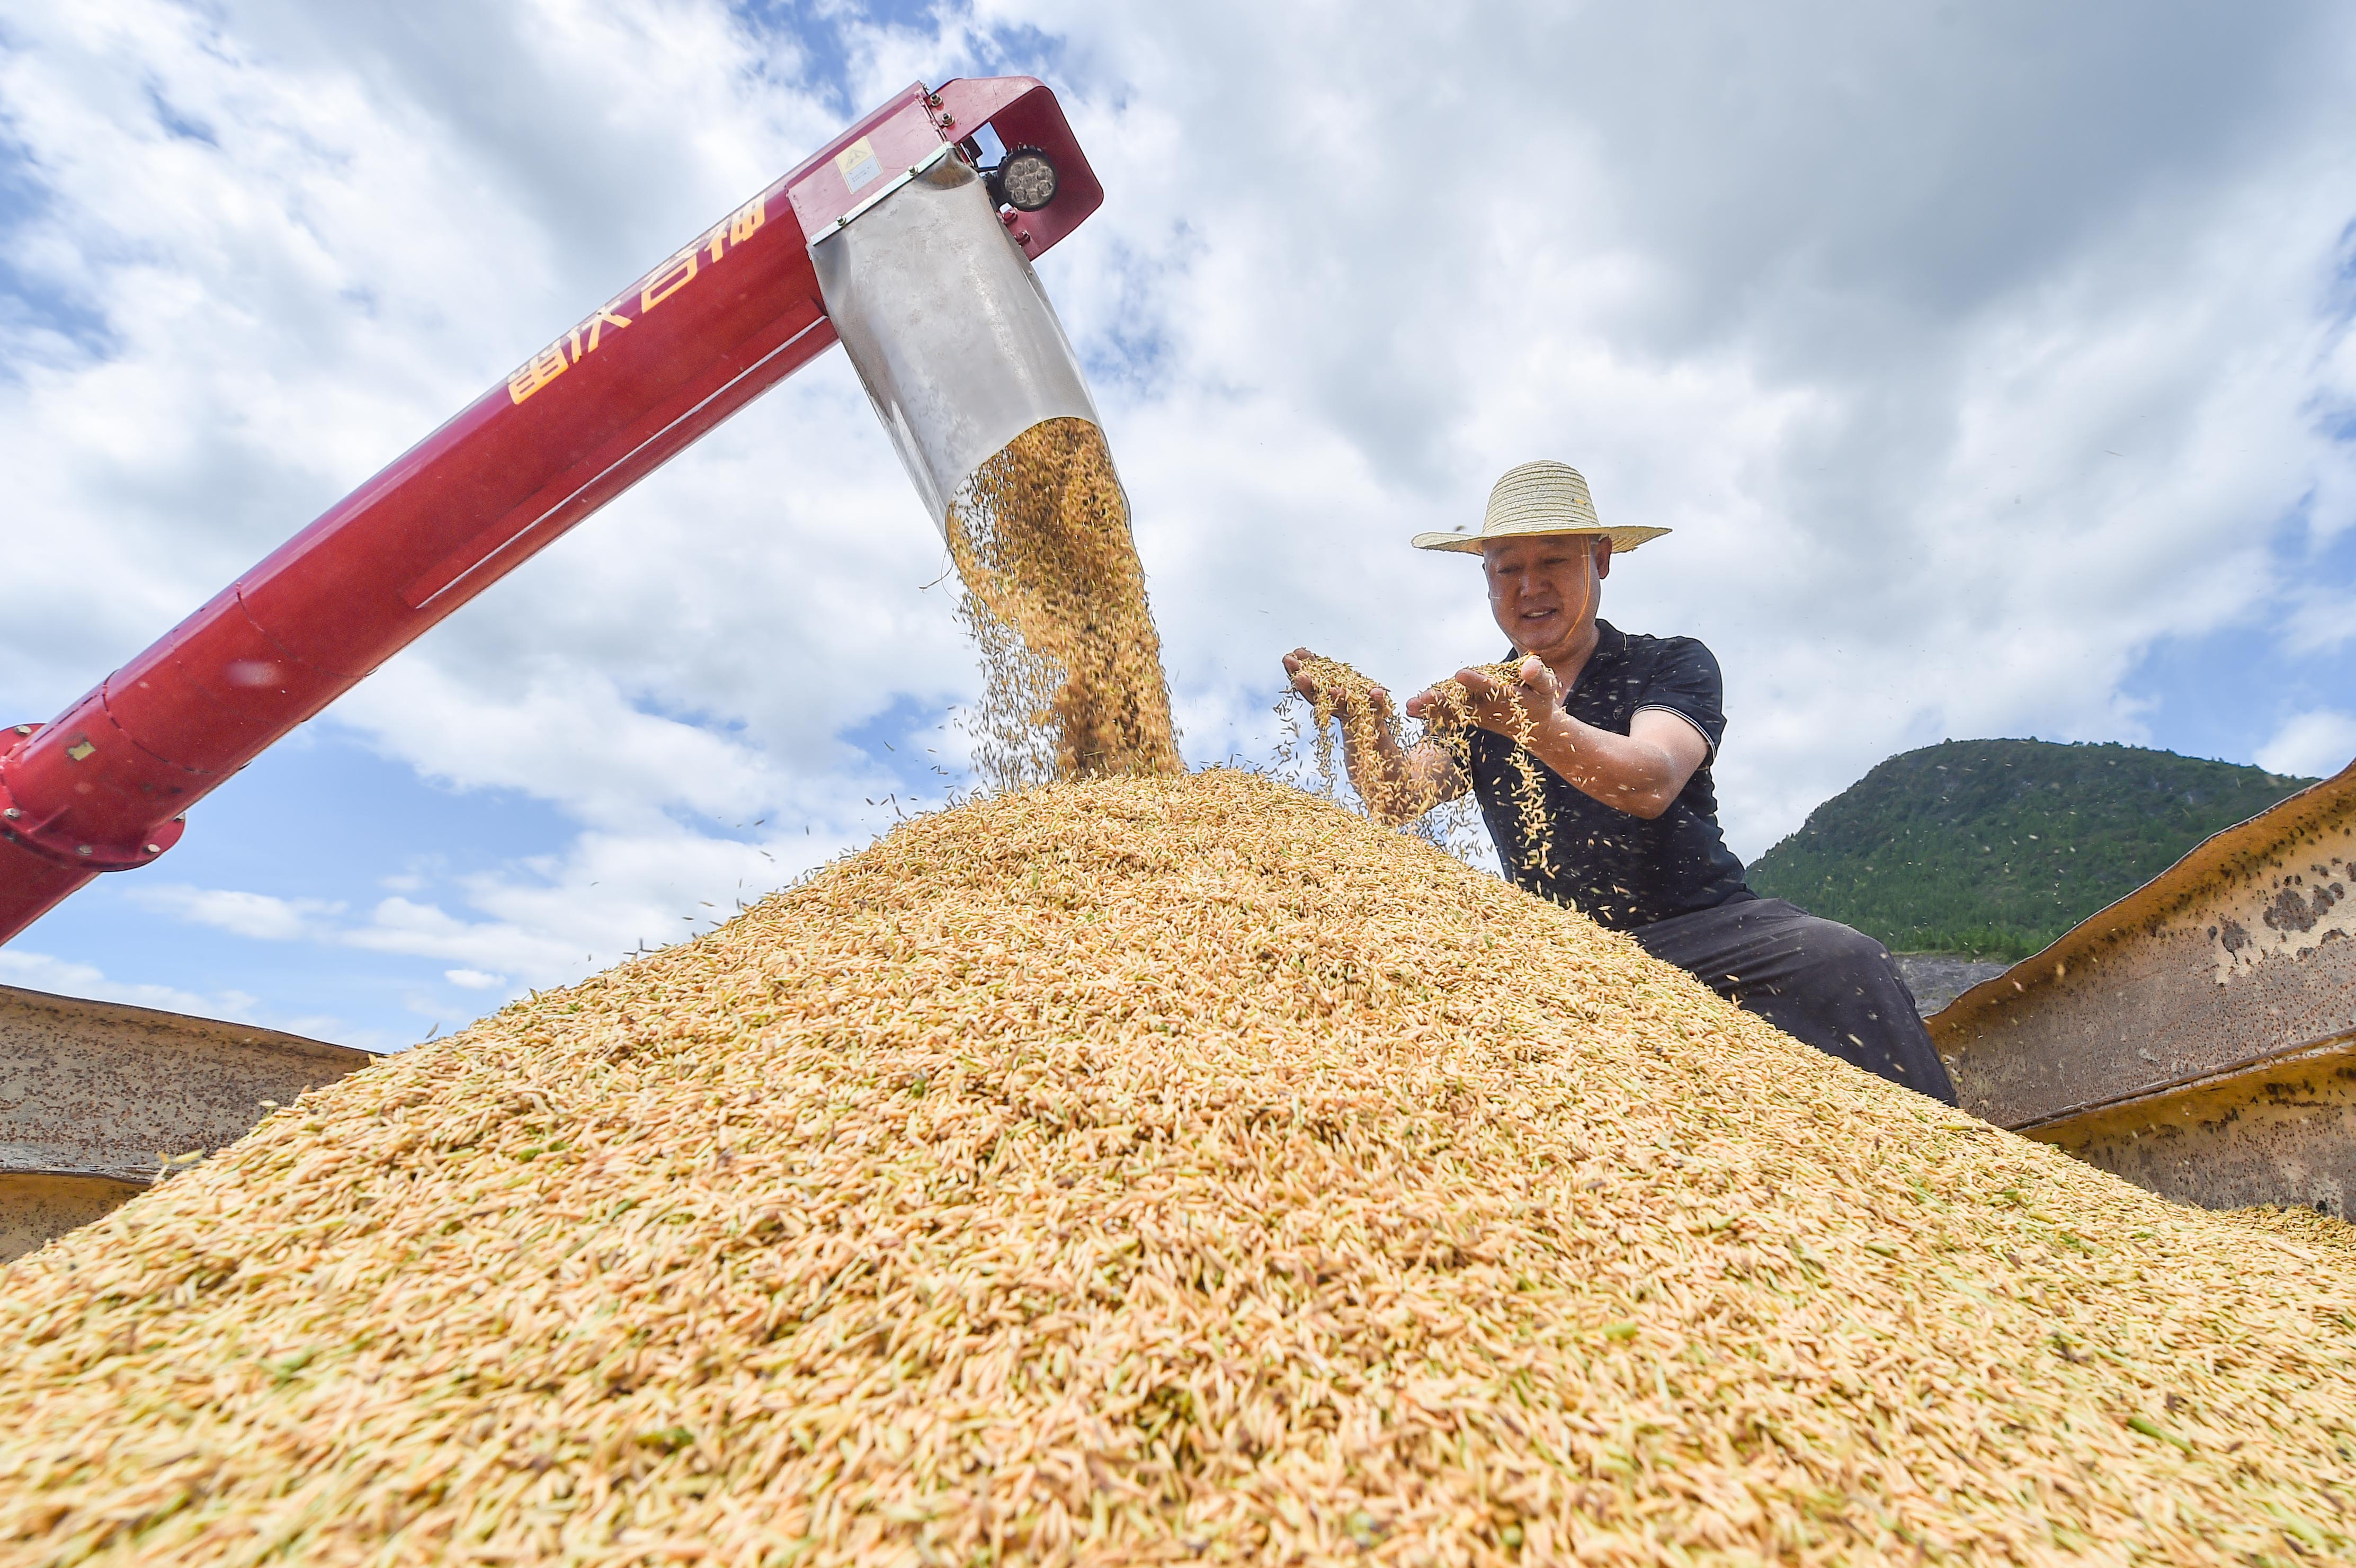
<point x="1161" y="1170"/>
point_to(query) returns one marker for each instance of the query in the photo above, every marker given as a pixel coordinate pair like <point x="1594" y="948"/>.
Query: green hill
<point x="1995" y="847"/>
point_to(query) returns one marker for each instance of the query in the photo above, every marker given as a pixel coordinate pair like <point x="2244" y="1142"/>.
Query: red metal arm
<point x="104" y="786"/>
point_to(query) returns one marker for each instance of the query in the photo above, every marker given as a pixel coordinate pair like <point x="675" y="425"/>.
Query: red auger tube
<point x="105" y="785"/>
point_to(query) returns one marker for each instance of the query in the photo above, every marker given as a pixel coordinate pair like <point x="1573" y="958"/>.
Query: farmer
<point x="1619" y="730"/>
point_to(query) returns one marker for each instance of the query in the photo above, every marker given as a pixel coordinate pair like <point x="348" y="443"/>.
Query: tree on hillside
<point x="1995" y="847"/>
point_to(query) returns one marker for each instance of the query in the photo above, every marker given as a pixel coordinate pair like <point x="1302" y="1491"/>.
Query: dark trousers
<point x="1817" y="980"/>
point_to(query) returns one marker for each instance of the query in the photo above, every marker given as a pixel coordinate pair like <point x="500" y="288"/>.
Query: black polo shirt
<point x="1614" y="867"/>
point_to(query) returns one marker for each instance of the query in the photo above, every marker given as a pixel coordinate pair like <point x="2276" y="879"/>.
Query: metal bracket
<point x="872" y="199"/>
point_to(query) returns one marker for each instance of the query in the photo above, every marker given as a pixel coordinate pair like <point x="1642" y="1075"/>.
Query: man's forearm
<point x="1624" y="773"/>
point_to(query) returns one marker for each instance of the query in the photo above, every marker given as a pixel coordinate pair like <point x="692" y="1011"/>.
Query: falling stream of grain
<point x="1055" y="600"/>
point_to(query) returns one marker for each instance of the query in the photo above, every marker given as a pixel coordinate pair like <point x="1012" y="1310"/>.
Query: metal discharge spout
<point x="104" y="786"/>
<point x="948" y="327"/>
<point x="969" y="368"/>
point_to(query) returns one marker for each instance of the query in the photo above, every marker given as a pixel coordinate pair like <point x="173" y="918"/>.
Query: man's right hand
<point x="1516" y="705"/>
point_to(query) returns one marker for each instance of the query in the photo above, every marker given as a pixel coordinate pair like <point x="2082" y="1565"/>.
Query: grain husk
<point x="1161" y="1170"/>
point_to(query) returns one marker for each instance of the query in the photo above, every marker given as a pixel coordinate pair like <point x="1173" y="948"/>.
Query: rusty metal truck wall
<point x="91" y="1092"/>
<point x="2236" y="966"/>
<point x="2284" y="1131"/>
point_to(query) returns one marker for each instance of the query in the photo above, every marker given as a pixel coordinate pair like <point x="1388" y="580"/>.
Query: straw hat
<point x="1537" y="499"/>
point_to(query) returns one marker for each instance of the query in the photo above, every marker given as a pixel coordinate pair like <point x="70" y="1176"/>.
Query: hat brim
<point x="1623" y="539"/>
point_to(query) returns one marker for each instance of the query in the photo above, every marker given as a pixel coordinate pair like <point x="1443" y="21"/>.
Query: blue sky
<point x="1993" y="384"/>
<point x="2231" y="692"/>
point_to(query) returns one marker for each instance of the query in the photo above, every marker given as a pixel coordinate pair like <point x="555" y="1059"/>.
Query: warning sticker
<point x="858" y="164"/>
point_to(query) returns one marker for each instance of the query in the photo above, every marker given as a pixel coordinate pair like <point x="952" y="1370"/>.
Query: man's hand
<point x="1642" y="772"/>
<point x="1517" y="709"/>
<point x="1398" y="784"/>
<point x="1312" y="675"/>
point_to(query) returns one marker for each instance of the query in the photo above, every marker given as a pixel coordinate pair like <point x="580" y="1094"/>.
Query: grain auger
<point x="908" y="239"/>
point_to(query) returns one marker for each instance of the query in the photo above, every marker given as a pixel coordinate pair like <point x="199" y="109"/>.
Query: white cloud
<point x="260" y="916"/>
<point x="2312" y="745"/>
<point x="2322" y="617"/>
<point x="66" y="977"/>
<point x="540" y="920"/>
<point x="37" y="971"/>
<point x="1861" y="311"/>
<point x="1966" y="354"/>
